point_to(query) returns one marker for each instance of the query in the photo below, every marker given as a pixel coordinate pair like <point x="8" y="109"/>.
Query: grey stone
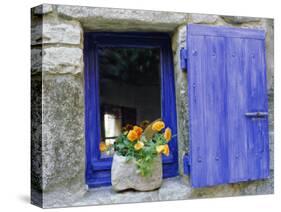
<point x="105" y="195"/>
<point x="36" y="31"/>
<point x="36" y="61"/>
<point x="63" y="147"/>
<point x="268" y="25"/>
<point x="171" y="189"/>
<point x="271" y="150"/>
<point x="174" y="190"/>
<point x="178" y="42"/>
<point x="43" y="9"/>
<point x="134" y="196"/>
<point x="55" y="30"/>
<point x="271" y="110"/>
<point x="203" y="18"/>
<point x="36" y="140"/>
<point x="124" y="175"/>
<point x="216" y="191"/>
<point x="122" y="19"/>
<point x="239" y="19"/>
<point x="265" y="186"/>
<point x="57" y="60"/>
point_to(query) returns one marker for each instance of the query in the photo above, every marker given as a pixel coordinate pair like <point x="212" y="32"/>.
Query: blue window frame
<point x="98" y="169"/>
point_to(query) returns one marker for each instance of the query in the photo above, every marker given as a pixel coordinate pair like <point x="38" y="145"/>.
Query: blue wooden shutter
<point x="228" y="105"/>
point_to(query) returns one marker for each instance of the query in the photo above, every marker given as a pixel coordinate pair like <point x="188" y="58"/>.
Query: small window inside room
<point x="129" y="88"/>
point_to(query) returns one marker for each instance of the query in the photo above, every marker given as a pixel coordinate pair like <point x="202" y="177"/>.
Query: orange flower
<point x="139" y="145"/>
<point x="168" y="134"/>
<point x="138" y="130"/>
<point x="132" y="135"/>
<point x="166" y="150"/>
<point x="160" y="149"/>
<point x="158" y="126"/>
<point x="103" y="147"/>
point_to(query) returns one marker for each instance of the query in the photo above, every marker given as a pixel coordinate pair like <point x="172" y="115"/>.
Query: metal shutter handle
<point x="256" y="114"/>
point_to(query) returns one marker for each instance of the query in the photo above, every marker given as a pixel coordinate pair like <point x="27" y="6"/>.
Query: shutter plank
<point x="215" y="109"/>
<point x="236" y="107"/>
<point x="197" y="110"/>
<point x="258" y="150"/>
<point x="207" y="111"/>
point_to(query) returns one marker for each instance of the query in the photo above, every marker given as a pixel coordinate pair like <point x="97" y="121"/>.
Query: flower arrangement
<point x="143" y="143"/>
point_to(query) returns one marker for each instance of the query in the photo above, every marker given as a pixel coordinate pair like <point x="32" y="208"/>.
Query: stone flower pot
<point x="124" y="175"/>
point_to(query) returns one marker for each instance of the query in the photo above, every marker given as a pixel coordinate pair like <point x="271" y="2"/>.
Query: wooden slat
<point x="236" y="107"/>
<point x="215" y="111"/>
<point x="258" y="150"/>
<point x="207" y="111"/>
<point x="196" y="90"/>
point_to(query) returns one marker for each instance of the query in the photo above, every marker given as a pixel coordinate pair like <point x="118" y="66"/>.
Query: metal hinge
<point x="186" y="164"/>
<point x="183" y="59"/>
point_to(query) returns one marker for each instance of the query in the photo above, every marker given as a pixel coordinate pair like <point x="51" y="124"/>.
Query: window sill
<point x="172" y="189"/>
<point x="176" y="188"/>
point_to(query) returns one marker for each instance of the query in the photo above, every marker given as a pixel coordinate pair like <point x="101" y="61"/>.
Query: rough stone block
<point x="203" y="19"/>
<point x="178" y="42"/>
<point x="268" y="25"/>
<point x="43" y="9"/>
<point x="174" y="190"/>
<point x="36" y="61"/>
<point x="123" y="19"/>
<point x="240" y="19"/>
<point x="63" y="147"/>
<point x="271" y="150"/>
<point x="56" y="31"/>
<point x="57" y="60"/>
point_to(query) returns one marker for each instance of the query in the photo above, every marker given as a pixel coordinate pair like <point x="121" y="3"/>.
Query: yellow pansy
<point x="158" y="126"/>
<point x="132" y="135"/>
<point x="160" y="149"/>
<point x="139" y="145"/>
<point x="166" y="150"/>
<point x="168" y="134"/>
<point x="138" y="130"/>
<point x="103" y="147"/>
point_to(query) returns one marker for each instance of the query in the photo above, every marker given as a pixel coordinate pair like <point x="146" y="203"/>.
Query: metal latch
<point x="256" y="114"/>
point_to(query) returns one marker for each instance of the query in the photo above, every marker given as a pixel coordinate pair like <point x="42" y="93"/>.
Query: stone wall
<point x="57" y="59"/>
<point x="58" y="99"/>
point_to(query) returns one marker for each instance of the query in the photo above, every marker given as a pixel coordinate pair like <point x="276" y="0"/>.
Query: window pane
<point x="112" y="125"/>
<point x="129" y="87"/>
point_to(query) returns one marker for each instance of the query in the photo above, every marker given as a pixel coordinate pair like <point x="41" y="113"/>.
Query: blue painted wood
<point x="98" y="169"/>
<point x="221" y="31"/>
<point x="186" y="165"/>
<point x="226" y="79"/>
<point x="236" y="107"/>
<point x="258" y="147"/>
<point x="183" y="58"/>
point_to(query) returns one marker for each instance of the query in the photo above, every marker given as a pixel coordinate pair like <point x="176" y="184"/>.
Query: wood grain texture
<point x="236" y="101"/>
<point x="227" y="79"/>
